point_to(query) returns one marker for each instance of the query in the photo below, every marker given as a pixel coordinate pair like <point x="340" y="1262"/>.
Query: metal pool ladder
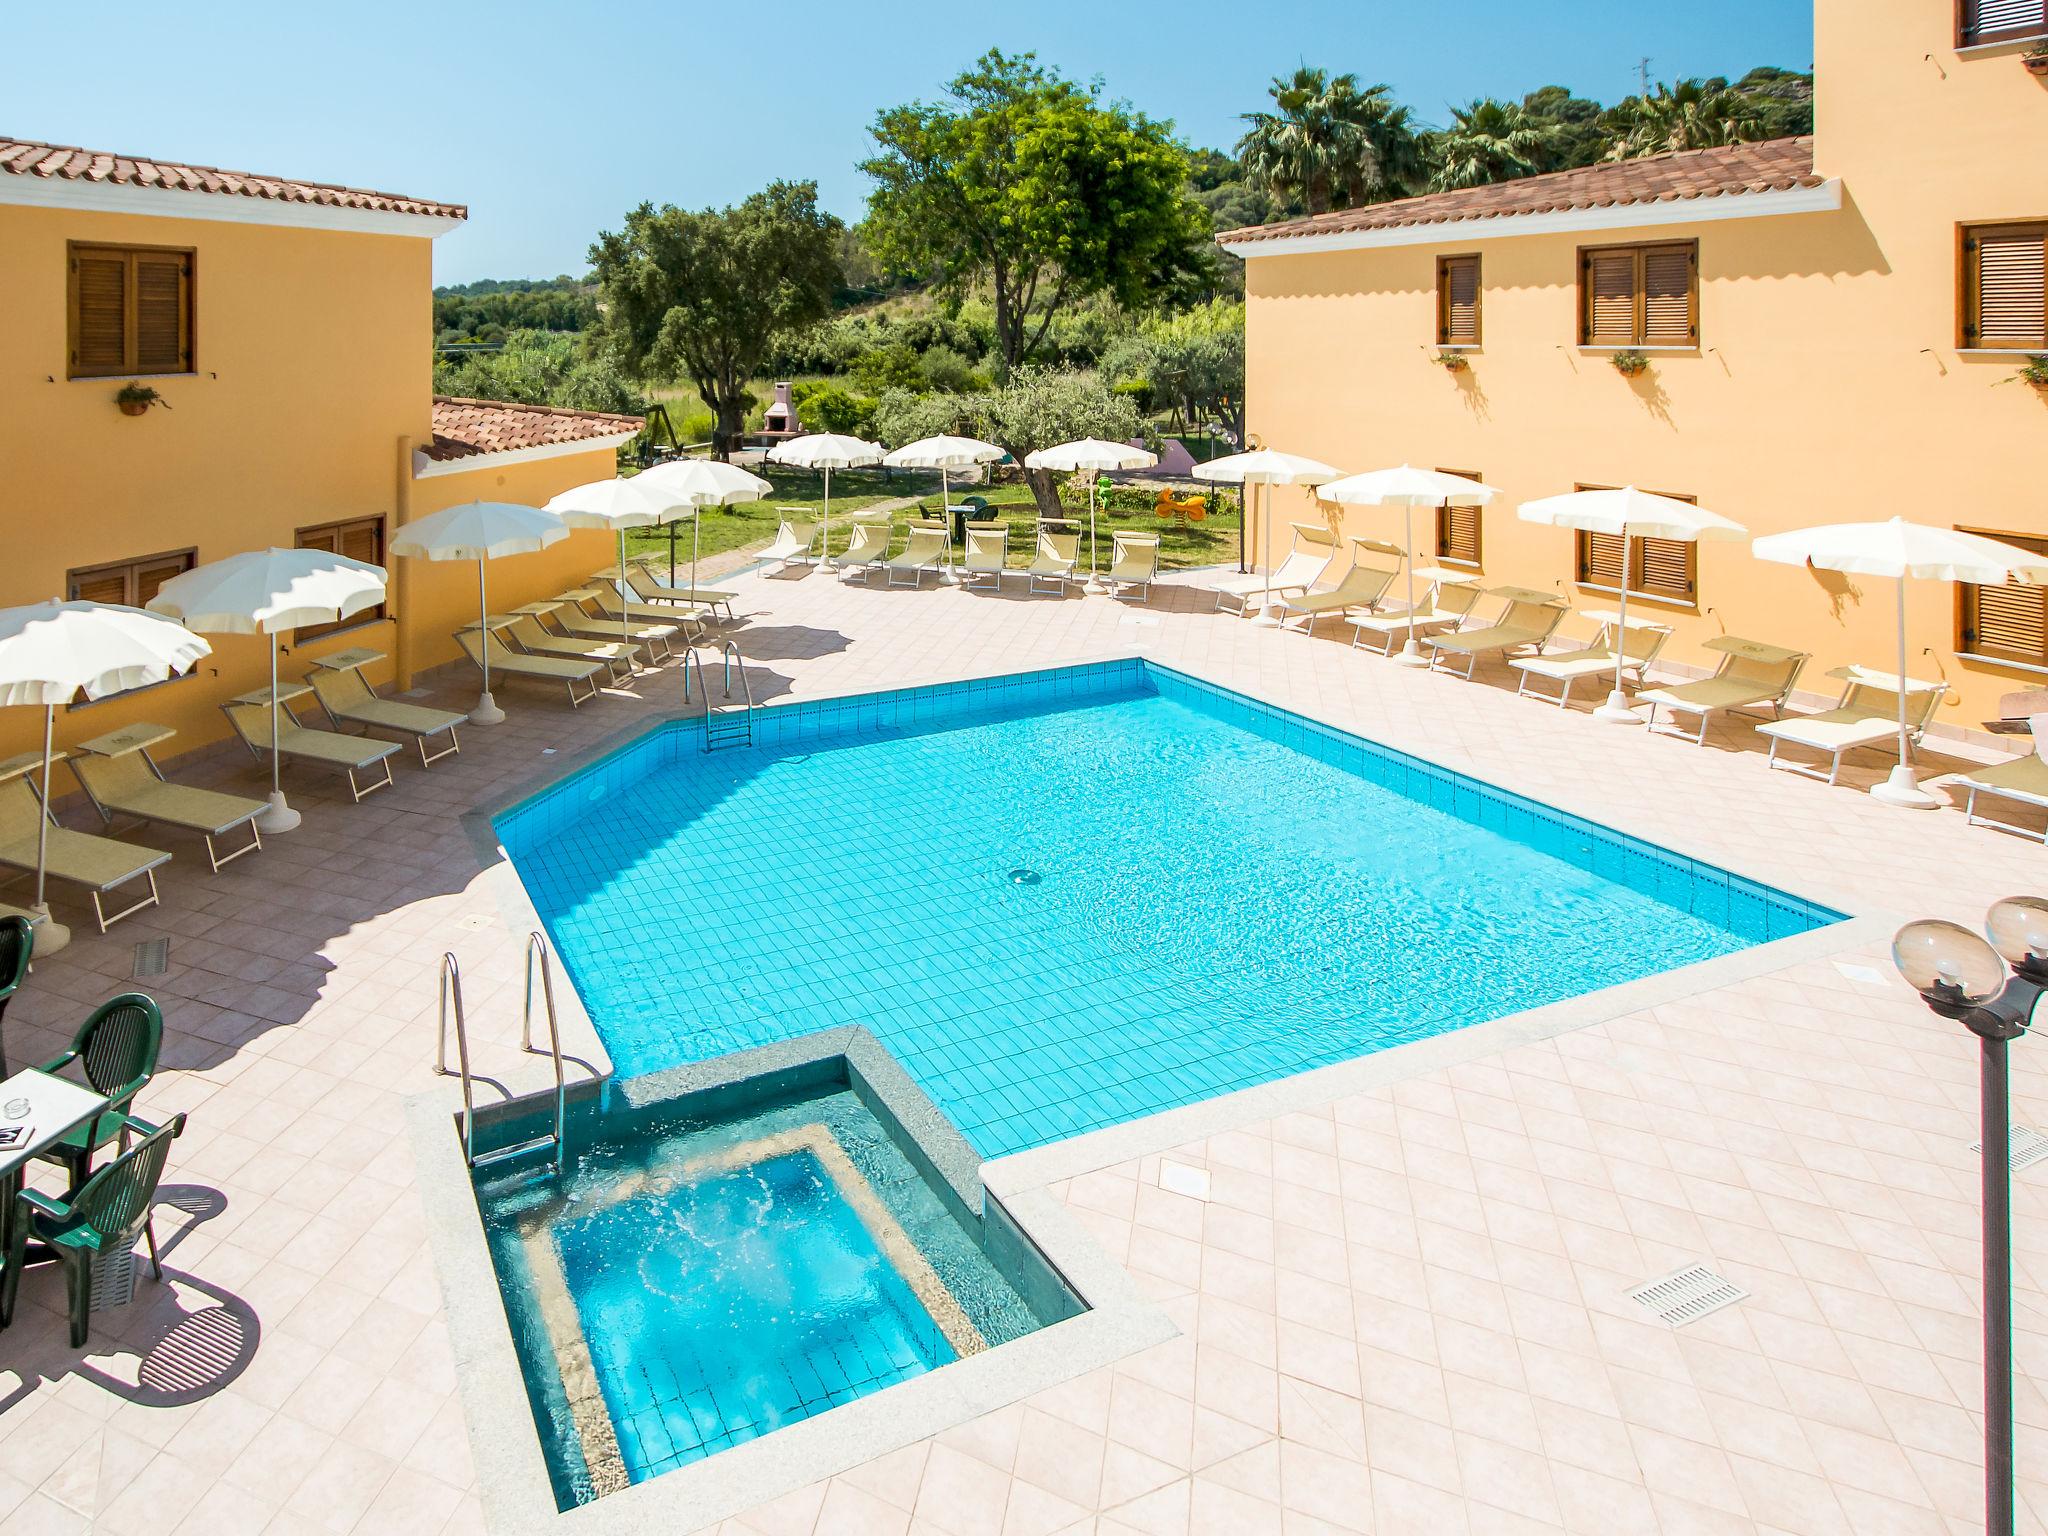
<point x="733" y="724"/>
<point x="451" y="994"/>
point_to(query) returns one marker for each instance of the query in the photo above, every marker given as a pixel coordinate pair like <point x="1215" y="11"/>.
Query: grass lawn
<point x="752" y="524"/>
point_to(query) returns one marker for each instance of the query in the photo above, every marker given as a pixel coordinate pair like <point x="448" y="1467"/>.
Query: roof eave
<point x="31" y="189"/>
<point x="1776" y="202"/>
<point x="425" y="468"/>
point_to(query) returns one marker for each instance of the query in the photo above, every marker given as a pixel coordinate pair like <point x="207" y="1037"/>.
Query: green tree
<point x="707" y="294"/>
<point x="1691" y="114"/>
<point x="1331" y="143"/>
<point x="1783" y="96"/>
<point x="540" y="368"/>
<point x="1035" y="188"/>
<point x="1581" y="135"/>
<point x="1491" y="141"/>
<point x="1042" y="407"/>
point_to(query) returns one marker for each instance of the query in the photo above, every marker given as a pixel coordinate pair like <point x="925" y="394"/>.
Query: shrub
<point x="828" y="408"/>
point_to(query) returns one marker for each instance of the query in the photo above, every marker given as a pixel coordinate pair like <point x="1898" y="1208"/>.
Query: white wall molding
<point x="424" y="468"/>
<point x="1825" y="198"/>
<point x="29" y="191"/>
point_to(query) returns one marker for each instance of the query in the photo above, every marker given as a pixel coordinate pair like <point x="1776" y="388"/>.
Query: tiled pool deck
<point x="1401" y="1310"/>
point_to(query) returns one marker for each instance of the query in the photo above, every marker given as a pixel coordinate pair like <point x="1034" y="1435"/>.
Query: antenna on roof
<point x="1643" y="74"/>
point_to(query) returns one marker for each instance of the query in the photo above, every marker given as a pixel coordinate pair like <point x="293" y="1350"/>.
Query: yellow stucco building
<point x="1832" y="327"/>
<point x="288" y="328"/>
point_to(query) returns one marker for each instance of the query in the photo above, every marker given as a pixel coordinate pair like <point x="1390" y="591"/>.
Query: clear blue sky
<point x="550" y="120"/>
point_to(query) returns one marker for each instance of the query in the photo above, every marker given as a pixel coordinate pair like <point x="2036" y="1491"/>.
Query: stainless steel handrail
<point x="731" y="652"/>
<point x="451" y="987"/>
<point x="537" y="945"/>
<point x="451" y="994"/>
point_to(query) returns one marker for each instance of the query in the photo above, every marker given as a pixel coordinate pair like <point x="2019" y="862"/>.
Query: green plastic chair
<point x="17" y="939"/>
<point x="117" y="1048"/>
<point x="104" y="1217"/>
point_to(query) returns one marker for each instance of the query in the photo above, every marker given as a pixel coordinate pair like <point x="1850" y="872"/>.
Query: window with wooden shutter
<point x="2004" y="623"/>
<point x="1457" y="301"/>
<point x="130" y="583"/>
<point x="1458" y="528"/>
<point x="1999" y="21"/>
<point x="1639" y="295"/>
<point x="2005" y="286"/>
<point x="1666" y="569"/>
<point x="360" y="538"/>
<point x="130" y="311"/>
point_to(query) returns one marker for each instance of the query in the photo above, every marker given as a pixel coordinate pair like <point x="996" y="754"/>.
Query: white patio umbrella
<point x="826" y="451"/>
<point x="618" y="505"/>
<point x="1091" y="453"/>
<point x="1628" y="514"/>
<point x="704" y="483"/>
<point x="261" y="592"/>
<point x="480" y="531"/>
<point x="50" y="651"/>
<point x="1900" y="549"/>
<point x="945" y="454"/>
<point x="1408" y="488"/>
<point x="1265" y="466"/>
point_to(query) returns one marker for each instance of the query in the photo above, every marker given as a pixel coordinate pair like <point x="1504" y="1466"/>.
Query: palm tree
<point x="1692" y="114"/>
<point x="1492" y="141"/>
<point x="1332" y="143"/>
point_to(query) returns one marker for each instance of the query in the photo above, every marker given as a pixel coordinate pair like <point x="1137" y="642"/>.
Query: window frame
<point x="1969" y="285"/>
<point x="129" y="355"/>
<point x="1632" y="561"/>
<point x="187" y="558"/>
<point x="1478" y="559"/>
<point x="1966" y="599"/>
<point x="1639" y="328"/>
<point x="373" y="615"/>
<point x="1444" y="264"/>
<point x="1966" y="39"/>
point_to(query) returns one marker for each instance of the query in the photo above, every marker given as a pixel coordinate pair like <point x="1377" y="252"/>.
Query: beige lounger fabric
<point x="1314" y="549"/>
<point x="1362" y="587"/>
<point x="1134" y="562"/>
<point x="100" y="864"/>
<point x="1751" y="673"/>
<point x="930" y="542"/>
<point x="1059" y="552"/>
<point x="988" y="552"/>
<point x="348" y="700"/>
<point x="126" y="785"/>
<point x="1866" y="716"/>
<point x="552" y="669"/>
<point x="2024" y="779"/>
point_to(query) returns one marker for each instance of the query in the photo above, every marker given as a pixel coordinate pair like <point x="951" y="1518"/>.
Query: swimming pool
<point x="1071" y="898"/>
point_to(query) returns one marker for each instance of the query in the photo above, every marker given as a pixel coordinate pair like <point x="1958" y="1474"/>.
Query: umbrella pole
<point x="946" y="517"/>
<point x="1268" y="617"/>
<point x="1095" y="582"/>
<point x="1616" y="711"/>
<point x="625" y="619"/>
<point x="1902" y="788"/>
<point x="825" y="544"/>
<point x="50" y="935"/>
<point x="1411" y="653"/>
<point x="696" y="543"/>
<point x="486" y="711"/>
<point x="280" y="817"/>
<point x="672" y="556"/>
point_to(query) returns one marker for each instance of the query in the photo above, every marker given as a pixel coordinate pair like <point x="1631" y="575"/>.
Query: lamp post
<point x="1961" y="977"/>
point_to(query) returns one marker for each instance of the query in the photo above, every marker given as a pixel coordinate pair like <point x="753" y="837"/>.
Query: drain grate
<point x="1025" y="877"/>
<point x="2024" y="1146"/>
<point x="1687" y="1295"/>
<point x="152" y="958"/>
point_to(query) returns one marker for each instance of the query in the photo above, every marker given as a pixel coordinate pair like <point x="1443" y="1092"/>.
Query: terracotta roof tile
<point x="63" y="162"/>
<point x="464" y="429"/>
<point x="1770" y="166"/>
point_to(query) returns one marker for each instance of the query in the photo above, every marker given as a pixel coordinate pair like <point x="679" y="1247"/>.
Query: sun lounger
<point x="1447" y="606"/>
<point x="100" y="864"/>
<point x="930" y="547"/>
<point x="1594" y="661"/>
<point x="794" y="537"/>
<point x="656" y="627"/>
<point x="579" y="623"/>
<point x="641" y="579"/>
<point x="506" y="662"/>
<point x="1362" y="587"/>
<point x="1133" y="564"/>
<point x="2021" y="779"/>
<point x="1750" y="673"/>
<point x="1529" y="619"/>
<point x="1866" y="716"/>
<point x="869" y="546"/>
<point x="1314" y="548"/>
<point x="526" y="631"/>
<point x="988" y="555"/>
<point x="1059" y="551"/>
<point x="347" y="699"/>
<point x="120" y="778"/>
<point x="251" y="717"/>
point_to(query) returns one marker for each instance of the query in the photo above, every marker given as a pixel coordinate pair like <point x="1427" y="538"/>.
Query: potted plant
<point x="1628" y="362"/>
<point x="2036" y="58"/>
<point x="1451" y="362"/>
<point x="134" y="399"/>
<point x="2033" y="371"/>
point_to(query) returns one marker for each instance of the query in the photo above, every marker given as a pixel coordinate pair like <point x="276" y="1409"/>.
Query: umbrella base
<point x="1903" y="789"/>
<point x="1411" y="655"/>
<point x="1095" y="584"/>
<point x="51" y="935"/>
<point x="279" y="817"/>
<point x="486" y="711"/>
<point x="1269" y="618"/>
<point x="1616" y="711"/>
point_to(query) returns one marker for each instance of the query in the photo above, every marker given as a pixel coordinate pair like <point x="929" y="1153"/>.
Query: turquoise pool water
<point x="1068" y="899"/>
<point x="685" y="1286"/>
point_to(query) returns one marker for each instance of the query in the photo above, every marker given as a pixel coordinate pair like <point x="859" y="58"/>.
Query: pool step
<point x="732" y="726"/>
<point x="547" y="1143"/>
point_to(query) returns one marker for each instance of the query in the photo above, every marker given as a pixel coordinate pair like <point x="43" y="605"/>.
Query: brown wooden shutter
<point x="1668" y="296"/>
<point x="1600" y="559"/>
<point x="1458" y="301"/>
<point x="1609" y="280"/>
<point x="99" y="339"/>
<point x="328" y="538"/>
<point x="362" y="541"/>
<point x="2009" y="621"/>
<point x="150" y="575"/>
<point x="1989" y="20"/>
<point x="102" y="586"/>
<point x="1664" y="568"/>
<point x="1457" y="534"/>
<point x="2007" y="269"/>
<point x="163" y="342"/>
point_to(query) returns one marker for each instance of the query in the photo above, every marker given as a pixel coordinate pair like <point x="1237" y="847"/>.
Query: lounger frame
<point x="213" y="856"/>
<point x="345" y="717"/>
